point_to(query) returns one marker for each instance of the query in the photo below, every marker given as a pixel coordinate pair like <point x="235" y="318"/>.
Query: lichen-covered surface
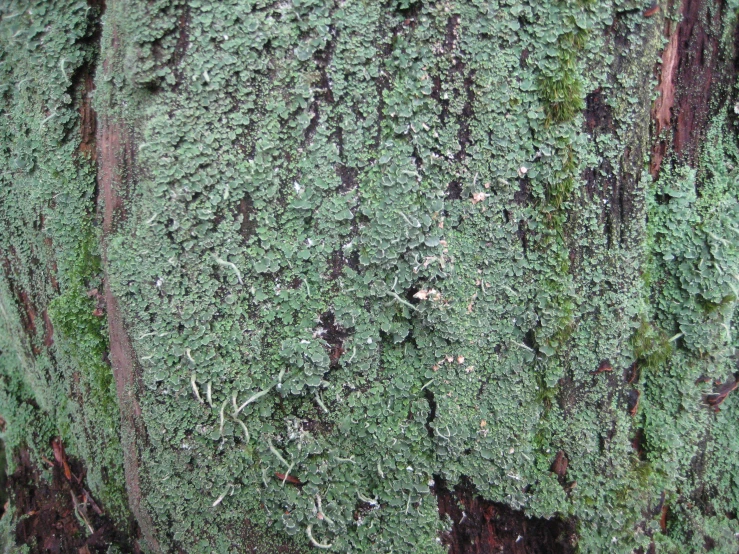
<point x="54" y="377"/>
<point x="354" y="252"/>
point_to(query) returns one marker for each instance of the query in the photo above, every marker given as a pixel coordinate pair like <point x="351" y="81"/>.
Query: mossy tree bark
<point x="397" y="276"/>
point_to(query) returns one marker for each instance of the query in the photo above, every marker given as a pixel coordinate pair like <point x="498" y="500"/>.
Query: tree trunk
<point x="369" y="277"/>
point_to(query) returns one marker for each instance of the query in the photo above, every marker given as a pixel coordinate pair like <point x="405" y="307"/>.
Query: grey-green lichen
<point x="359" y="254"/>
<point x="694" y="276"/>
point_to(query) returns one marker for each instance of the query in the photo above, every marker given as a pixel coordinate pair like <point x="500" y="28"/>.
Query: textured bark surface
<point x="697" y="73"/>
<point x="61" y="515"/>
<point x="371" y="277"/>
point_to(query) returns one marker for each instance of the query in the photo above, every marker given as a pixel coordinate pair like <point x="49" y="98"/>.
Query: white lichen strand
<point x="314" y="542"/>
<point x="253" y="398"/>
<point x="232" y="265"/>
<point x="194" y="384"/>
<point x="218" y="500"/>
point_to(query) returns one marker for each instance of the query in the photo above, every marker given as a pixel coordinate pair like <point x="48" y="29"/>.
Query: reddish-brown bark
<point x="483" y="527"/>
<point x="694" y="78"/>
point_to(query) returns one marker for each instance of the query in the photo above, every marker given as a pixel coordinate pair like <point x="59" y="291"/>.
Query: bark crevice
<point x="480" y="526"/>
<point x="695" y="81"/>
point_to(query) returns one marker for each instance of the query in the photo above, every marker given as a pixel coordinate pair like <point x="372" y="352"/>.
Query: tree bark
<point x="369" y="277"/>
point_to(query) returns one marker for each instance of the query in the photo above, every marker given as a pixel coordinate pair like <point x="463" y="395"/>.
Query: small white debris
<point x="478" y="197"/>
<point x="424" y="294"/>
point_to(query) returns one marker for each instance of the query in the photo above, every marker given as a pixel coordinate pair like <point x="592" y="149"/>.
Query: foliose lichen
<point x="361" y="253"/>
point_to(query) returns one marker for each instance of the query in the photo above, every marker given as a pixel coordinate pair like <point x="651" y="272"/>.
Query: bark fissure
<point x="694" y="81"/>
<point x="481" y="526"/>
<point x="114" y="159"/>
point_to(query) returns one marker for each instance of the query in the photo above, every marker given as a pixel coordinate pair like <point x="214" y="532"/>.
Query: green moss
<point x="651" y="346"/>
<point x="371" y="200"/>
<point x="561" y="89"/>
<point x="241" y="265"/>
<point x="695" y="302"/>
<point x="74" y="315"/>
<point x="82" y="337"/>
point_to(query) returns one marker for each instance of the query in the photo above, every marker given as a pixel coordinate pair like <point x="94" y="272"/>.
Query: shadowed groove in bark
<point x="481" y="527"/>
<point x="59" y="515"/>
<point x="615" y="181"/>
<point x="703" y="73"/>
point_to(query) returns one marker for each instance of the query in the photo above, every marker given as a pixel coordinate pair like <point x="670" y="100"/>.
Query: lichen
<point x="360" y="254"/>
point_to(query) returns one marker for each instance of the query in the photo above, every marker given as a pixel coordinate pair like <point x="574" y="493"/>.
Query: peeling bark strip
<point x="115" y="145"/>
<point x="115" y="155"/>
<point x="720" y="393"/>
<point x="694" y="72"/>
<point x="662" y="112"/>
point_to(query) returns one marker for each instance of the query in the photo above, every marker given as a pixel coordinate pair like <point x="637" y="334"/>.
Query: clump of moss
<point x="77" y="317"/>
<point x="81" y="328"/>
<point x="561" y="88"/>
<point x="651" y="345"/>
